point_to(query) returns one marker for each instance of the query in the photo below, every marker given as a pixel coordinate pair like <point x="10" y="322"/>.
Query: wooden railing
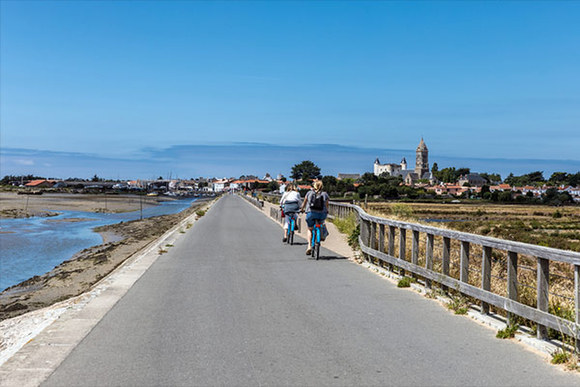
<point x="276" y="213"/>
<point x="253" y="200"/>
<point x="378" y="239"/>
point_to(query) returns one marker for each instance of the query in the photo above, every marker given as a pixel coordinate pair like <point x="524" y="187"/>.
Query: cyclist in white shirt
<point x="290" y="203"/>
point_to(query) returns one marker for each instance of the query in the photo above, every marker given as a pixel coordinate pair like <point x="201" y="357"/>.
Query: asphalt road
<point x="230" y="305"/>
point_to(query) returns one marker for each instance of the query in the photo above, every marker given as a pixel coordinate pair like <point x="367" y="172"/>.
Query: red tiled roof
<point x="34" y="183"/>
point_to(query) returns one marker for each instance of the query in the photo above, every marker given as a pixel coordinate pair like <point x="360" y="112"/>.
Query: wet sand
<point x="13" y="205"/>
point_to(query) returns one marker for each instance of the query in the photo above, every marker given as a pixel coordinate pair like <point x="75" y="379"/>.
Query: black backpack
<point x="317" y="203"/>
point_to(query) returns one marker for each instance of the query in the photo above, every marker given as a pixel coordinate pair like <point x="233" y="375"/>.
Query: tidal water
<point x="34" y="246"/>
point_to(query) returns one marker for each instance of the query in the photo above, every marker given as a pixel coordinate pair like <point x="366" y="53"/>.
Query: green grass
<point x="350" y="227"/>
<point x="405" y="282"/>
<point x="345" y="225"/>
<point x="560" y="357"/>
<point x="459" y="304"/>
<point x="508" y="332"/>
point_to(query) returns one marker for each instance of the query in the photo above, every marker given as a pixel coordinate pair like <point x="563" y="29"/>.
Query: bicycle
<point x="292" y="217"/>
<point x="316" y="238"/>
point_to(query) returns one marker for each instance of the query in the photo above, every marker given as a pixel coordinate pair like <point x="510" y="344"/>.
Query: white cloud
<point x="24" y="162"/>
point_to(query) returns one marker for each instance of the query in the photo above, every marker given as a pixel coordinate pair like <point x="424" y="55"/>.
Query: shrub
<point x="459" y="304"/>
<point x="200" y="213"/>
<point x="353" y="237"/>
<point x="404" y="282"/>
<point x="560" y="357"/>
<point x="508" y="332"/>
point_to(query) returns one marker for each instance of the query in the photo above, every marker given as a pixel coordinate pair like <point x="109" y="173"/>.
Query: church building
<point x="409" y="176"/>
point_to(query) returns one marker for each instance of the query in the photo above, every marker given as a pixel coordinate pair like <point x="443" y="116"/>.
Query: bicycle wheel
<point x="316" y="251"/>
<point x="291" y="238"/>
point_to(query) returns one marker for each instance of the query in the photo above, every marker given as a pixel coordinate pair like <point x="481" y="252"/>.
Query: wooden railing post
<point x="402" y="246"/>
<point x="577" y="301"/>
<point x="512" y="280"/>
<point x="382" y="238"/>
<point x="485" y="276"/>
<point x="391" y="250"/>
<point x="415" y="250"/>
<point x="543" y="286"/>
<point x="365" y="235"/>
<point x="446" y="258"/>
<point x="373" y="239"/>
<point x="429" y="257"/>
<point x="464" y="263"/>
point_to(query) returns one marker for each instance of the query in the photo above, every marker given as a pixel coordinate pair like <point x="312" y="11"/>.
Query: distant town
<point x="387" y="181"/>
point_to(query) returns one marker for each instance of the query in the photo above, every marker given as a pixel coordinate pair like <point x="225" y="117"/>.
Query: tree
<point x="505" y="196"/>
<point x="434" y="168"/>
<point x="461" y="172"/>
<point x="491" y="177"/>
<point x="95" y="178"/>
<point x="530" y="178"/>
<point x="330" y="183"/>
<point x="368" y="178"/>
<point x="345" y="185"/>
<point x="536" y="177"/>
<point x="574" y="180"/>
<point x="306" y="170"/>
<point x="388" y="191"/>
<point x="558" y="178"/>
<point x="446" y="175"/>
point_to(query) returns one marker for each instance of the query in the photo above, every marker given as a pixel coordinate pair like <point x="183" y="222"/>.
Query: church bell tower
<point x="422" y="160"/>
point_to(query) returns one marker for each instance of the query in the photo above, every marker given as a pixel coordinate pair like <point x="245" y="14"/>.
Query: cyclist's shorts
<point x="312" y="216"/>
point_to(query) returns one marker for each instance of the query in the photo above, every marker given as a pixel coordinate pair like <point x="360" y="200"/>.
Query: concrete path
<point x="230" y="305"/>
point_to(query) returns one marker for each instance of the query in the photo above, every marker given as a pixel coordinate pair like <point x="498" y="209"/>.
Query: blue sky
<point x="116" y="88"/>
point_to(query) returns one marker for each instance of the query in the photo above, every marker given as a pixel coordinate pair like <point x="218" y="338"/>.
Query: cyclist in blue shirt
<point x="316" y="207"/>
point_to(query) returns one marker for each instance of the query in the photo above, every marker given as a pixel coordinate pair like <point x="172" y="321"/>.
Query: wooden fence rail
<point x="377" y="241"/>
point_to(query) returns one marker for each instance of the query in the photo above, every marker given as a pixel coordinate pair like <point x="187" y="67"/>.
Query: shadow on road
<point x="329" y="257"/>
<point x="299" y="244"/>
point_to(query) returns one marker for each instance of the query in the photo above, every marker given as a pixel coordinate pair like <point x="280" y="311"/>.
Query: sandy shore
<point x="13" y="205"/>
<point x="86" y="268"/>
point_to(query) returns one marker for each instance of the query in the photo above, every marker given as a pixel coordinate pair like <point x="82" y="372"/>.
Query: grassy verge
<point x="350" y="227"/>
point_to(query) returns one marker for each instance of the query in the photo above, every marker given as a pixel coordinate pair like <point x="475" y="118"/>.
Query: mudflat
<point x="13" y="205"/>
<point x="86" y="268"/>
